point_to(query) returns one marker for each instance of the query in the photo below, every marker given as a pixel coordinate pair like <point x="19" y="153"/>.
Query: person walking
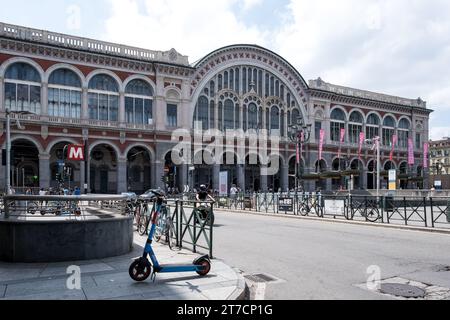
<point x="233" y="195"/>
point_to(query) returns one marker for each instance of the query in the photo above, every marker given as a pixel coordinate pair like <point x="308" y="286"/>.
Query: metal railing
<point x="30" y="207"/>
<point x="193" y="229"/>
<point x="428" y="212"/>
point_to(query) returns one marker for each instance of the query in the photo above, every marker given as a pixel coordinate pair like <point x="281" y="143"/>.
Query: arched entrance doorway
<point x="63" y="172"/>
<point x="321" y="167"/>
<point x="103" y="170"/>
<point x="230" y="164"/>
<point x="139" y="170"/>
<point x="372" y="175"/>
<point x="403" y="175"/>
<point x="24" y="165"/>
<point x="252" y="174"/>
<point x="274" y="181"/>
<point x="203" y="173"/>
<point x="389" y="165"/>
<point x="358" y="168"/>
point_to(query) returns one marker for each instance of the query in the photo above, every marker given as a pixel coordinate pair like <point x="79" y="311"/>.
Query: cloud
<point x="193" y="28"/>
<point x="397" y="47"/>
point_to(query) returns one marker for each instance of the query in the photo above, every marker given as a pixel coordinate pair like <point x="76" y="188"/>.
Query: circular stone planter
<point x="63" y="241"/>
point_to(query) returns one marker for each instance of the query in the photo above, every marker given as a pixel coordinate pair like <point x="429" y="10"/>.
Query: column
<point x="2" y="175"/>
<point x="82" y="176"/>
<point x="216" y="173"/>
<point x="84" y="104"/>
<point x="44" y="99"/>
<point x="122" y="185"/>
<point x="122" y="107"/>
<point x="44" y="171"/>
<point x="159" y="173"/>
<point x="182" y="175"/>
<point x="241" y="176"/>
<point x="2" y="90"/>
<point x="284" y="178"/>
<point x="264" y="178"/>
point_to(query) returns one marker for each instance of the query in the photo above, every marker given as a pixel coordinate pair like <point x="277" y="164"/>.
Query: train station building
<point x="124" y="103"/>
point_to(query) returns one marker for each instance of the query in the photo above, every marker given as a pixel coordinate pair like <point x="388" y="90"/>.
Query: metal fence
<point x="26" y="207"/>
<point x="429" y="212"/>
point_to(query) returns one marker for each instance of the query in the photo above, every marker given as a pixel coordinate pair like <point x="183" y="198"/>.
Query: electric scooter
<point x="142" y="268"/>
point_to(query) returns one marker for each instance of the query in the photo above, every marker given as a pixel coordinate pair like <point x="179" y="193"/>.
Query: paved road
<point x="320" y="260"/>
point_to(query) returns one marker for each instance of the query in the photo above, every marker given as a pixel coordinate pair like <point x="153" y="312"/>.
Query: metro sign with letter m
<point x="75" y="153"/>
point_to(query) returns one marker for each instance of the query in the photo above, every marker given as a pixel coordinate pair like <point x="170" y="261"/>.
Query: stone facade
<point x="129" y="155"/>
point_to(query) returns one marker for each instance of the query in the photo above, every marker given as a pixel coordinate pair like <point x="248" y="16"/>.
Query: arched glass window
<point x="373" y="126"/>
<point x="232" y="79"/>
<point x="337" y="123"/>
<point x="225" y="80"/>
<point x="275" y="120"/>
<point x="237" y="117"/>
<point x="260" y="83"/>
<point x="388" y="131"/>
<point x="228" y="115"/>
<point x="212" y="115"/>
<point x="139" y="102"/>
<point x="23" y="88"/>
<point x="220" y="82"/>
<point x="252" y="116"/>
<point x="403" y="133"/>
<point x="267" y="89"/>
<point x="64" y="94"/>
<point x="244" y="80"/>
<point x="103" y="98"/>
<point x="212" y="89"/>
<point x="294" y="116"/>
<point x="237" y="80"/>
<point x="202" y="112"/>
<point x="355" y="126"/>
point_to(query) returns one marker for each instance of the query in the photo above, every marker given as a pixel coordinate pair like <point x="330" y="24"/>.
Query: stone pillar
<point x="122" y="108"/>
<point x="264" y="179"/>
<point x="159" y="173"/>
<point x="284" y="178"/>
<point x="329" y="185"/>
<point x="84" y="104"/>
<point x="2" y="90"/>
<point x="82" y="176"/>
<point x="122" y="184"/>
<point x="44" y="171"/>
<point x="44" y="99"/>
<point x="216" y="173"/>
<point x="241" y="176"/>
<point x="2" y="174"/>
<point x="182" y="175"/>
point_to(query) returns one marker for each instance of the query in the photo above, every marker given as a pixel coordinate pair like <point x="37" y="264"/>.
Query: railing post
<point x="432" y="212"/>
<point x="425" y="211"/>
<point x="194" y="241"/>
<point x="406" y="214"/>
<point x="211" y="227"/>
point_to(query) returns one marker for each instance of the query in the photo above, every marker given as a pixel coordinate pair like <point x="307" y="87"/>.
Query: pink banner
<point x="425" y="155"/>
<point x="410" y="152"/>
<point x="394" y="142"/>
<point x="341" y="142"/>
<point x="361" y="140"/>
<point x="322" y="138"/>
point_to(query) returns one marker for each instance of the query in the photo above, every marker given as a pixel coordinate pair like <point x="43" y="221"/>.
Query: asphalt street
<point x="322" y="260"/>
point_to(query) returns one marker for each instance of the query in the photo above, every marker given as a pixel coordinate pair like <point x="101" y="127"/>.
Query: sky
<point x="399" y="47"/>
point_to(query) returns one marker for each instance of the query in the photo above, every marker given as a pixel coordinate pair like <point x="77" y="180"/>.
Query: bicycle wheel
<point x="32" y="208"/>
<point x="142" y="226"/>
<point x="160" y="229"/>
<point x="373" y="215"/>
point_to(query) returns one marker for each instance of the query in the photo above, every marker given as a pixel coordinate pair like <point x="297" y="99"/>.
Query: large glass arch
<point x="355" y="126"/>
<point x="64" y="94"/>
<point x="388" y="131"/>
<point x="22" y="88"/>
<point x="103" y="98"/>
<point x="338" y="119"/>
<point x="243" y="82"/>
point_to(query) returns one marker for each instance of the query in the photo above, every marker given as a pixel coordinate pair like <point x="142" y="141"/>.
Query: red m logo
<point x="75" y="153"/>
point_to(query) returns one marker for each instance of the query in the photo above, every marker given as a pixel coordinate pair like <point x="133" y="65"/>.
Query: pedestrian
<point x="77" y="192"/>
<point x="233" y="195"/>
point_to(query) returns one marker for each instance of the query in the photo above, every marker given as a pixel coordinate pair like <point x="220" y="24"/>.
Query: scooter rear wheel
<point x="140" y="270"/>
<point x="206" y="267"/>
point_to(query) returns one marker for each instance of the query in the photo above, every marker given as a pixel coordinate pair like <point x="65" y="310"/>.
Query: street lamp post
<point x="299" y="133"/>
<point x="375" y="142"/>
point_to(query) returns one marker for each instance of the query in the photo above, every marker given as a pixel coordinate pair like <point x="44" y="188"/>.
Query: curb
<point x="350" y="222"/>
<point x="239" y="293"/>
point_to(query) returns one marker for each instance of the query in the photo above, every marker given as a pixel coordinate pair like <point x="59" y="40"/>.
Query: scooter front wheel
<point x="206" y="267"/>
<point x="140" y="270"/>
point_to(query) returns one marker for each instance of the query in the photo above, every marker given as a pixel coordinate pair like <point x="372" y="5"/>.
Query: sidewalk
<point x="108" y="279"/>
